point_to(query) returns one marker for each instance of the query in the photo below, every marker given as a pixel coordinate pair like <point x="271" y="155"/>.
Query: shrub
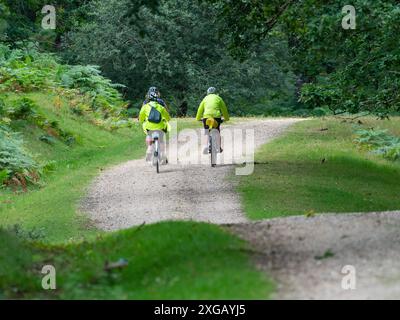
<point x="133" y="112"/>
<point x="22" y="108"/>
<point x="320" y="96"/>
<point x="16" y="166"/>
<point x="26" y="109"/>
<point x="379" y="142"/>
<point x="26" y="69"/>
<point x="391" y="152"/>
<point x="91" y="94"/>
<point x="88" y="80"/>
<point x="373" y="138"/>
<point x="320" y="112"/>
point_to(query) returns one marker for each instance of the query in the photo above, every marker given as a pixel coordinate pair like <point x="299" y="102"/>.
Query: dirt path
<point x="305" y="256"/>
<point x="132" y="193"/>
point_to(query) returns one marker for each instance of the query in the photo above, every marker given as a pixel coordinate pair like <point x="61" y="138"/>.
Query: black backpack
<point x="155" y="115"/>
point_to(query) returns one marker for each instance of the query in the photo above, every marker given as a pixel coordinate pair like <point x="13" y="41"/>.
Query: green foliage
<point x="102" y="96"/>
<point x="373" y="138"/>
<point x="22" y="108"/>
<point x="77" y="167"/>
<point x="327" y="254"/>
<point x="26" y="69"/>
<point x="26" y="109"/>
<point x="315" y="168"/>
<point x="321" y="96"/>
<point x="4" y="176"/>
<point x="21" y="20"/>
<point x="16" y="266"/>
<point x="380" y="142"/>
<point x="48" y="139"/>
<point x="171" y="260"/>
<point x="88" y="79"/>
<point x="158" y="50"/>
<point x="362" y="65"/>
<point x="345" y="70"/>
<point x="320" y="112"/>
<point x="245" y="23"/>
<point x="89" y="93"/>
<point x="340" y="70"/>
<point x="16" y="166"/>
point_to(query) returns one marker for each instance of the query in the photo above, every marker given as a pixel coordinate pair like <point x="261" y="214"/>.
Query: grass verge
<point x="50" y="212"/>
<point x="172" y="260"/>
<point x="316" y="167"/>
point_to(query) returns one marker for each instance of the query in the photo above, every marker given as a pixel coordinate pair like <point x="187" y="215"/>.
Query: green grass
<point x="51" y="211"/>
<point x="314" y="170"/>
<point x="172" y="260"/>
<point x="180" y="260"/>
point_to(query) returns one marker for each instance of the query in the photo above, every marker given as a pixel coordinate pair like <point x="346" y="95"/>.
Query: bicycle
<point x="214" y="146"/>
<point x="157" y="139"/>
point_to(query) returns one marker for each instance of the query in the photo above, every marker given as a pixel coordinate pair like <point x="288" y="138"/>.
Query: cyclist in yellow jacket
<point x="211" y="111"/>
<point x="154" y="117"/>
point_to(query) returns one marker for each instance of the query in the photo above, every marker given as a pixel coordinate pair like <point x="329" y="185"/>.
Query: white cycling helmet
<point x="211" y="90"/>
<point x="153" y="94"/>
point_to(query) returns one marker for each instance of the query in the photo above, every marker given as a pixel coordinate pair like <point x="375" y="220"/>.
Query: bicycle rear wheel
<point x="214" y="147"/>
<point x="157" y="156"/>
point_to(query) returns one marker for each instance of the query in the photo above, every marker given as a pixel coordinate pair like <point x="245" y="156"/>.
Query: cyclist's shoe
<point x="221" y="150"/>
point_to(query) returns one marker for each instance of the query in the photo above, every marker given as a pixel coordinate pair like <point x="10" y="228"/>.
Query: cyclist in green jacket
<point x="212" y="107"/>
<point x="154" y="117"/>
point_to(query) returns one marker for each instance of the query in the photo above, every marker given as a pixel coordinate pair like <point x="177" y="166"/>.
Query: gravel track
<point x="132" y="193"/>
<point x="290" y="250"/>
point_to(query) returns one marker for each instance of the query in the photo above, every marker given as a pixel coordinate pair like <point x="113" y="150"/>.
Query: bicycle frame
<point x="157" y="138"/>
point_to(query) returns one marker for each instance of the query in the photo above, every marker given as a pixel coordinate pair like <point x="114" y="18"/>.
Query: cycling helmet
<point x="153" y="89"/>
<point x="153" y="94"/>
<point x="211" y="90"/>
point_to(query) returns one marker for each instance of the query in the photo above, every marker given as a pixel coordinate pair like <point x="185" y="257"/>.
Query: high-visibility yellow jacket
<point x="144" y="116"/>
<point x="212" y="106"/>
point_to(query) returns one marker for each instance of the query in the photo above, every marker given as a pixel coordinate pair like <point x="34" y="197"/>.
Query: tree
<point x="20" y="20"/>
<point x="345" y="70"/>
<point x="177" y="48"/>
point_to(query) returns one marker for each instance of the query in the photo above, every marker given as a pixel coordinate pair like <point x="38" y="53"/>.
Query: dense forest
<point x="266" y="58"/>
<point x="270" y="57"/>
